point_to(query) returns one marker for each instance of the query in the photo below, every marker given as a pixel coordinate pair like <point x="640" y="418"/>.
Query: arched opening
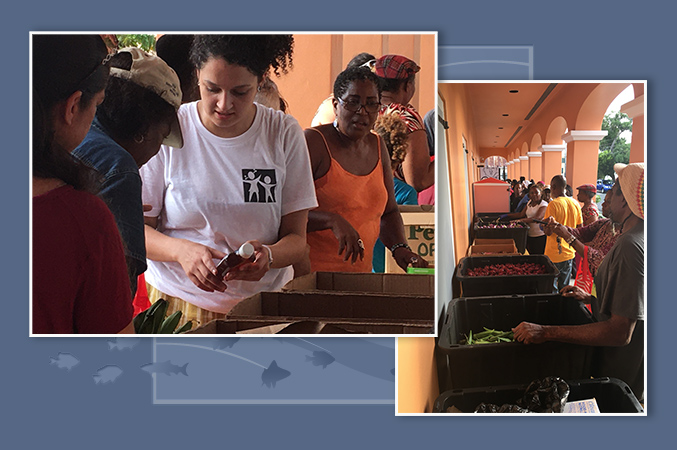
<point x="615" y="146"/>
<point x="494" y="167"/>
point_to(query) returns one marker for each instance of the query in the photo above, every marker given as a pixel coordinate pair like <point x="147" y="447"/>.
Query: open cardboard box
<point x="283" y="325"/>
<point x="324" y="305"/>
<point x="493" y="249"/>
<point x="373" y="283"/>
<point x="419" y="228"/>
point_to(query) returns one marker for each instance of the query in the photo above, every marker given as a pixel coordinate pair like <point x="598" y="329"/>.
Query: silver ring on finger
<point x="360" y="244"/>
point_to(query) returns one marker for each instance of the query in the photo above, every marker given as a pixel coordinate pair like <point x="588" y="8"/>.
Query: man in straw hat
<point x="618" y="307"/>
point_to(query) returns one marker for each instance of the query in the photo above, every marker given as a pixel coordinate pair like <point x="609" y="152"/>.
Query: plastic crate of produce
<point x="518" y="233"/>
<point x="507" y="363"/>
<point x="612" y="396"/>
<point x="490" y="217"/>
<point x="478" y="286"/>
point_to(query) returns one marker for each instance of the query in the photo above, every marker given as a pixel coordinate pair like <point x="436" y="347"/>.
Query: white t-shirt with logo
<point x="221" y="192"/>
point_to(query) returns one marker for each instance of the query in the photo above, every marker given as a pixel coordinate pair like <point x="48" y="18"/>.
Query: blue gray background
<point x="50" y="406"/>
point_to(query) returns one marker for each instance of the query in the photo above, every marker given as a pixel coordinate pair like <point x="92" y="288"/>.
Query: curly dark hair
<point x="258" y="53"/>
<point x="394" y="132"/>
<point x="174" y="49"/>
<point x="346" y="77"/>
<point x="129" y="110"/>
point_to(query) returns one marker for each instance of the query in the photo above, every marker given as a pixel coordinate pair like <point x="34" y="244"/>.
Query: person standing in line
<point x="137" y="116"/>
<point x="586" y="195"/>
<point x="618" y="306"/>
<point x="566" y="211"/>
<point x="80" y="282"/>
<point x="397" y="75"/>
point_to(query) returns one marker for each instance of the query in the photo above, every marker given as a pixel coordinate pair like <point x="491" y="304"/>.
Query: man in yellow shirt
<point x="566" y="211"/>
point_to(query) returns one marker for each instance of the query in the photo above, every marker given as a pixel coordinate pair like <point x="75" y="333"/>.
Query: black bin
<point x="507" y="363"/>
<point x="519" y="235"/>
<point x="612" y="396"/>
<point x="505" y="284"/>
<point x="490" y="217"/>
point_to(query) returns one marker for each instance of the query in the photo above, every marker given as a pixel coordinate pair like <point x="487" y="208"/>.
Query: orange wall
<point x="458" y="114"/>
<point x="319" y="58"/>
<point x="417" y="385"/>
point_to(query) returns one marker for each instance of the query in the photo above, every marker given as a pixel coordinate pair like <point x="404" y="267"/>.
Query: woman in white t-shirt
<point x="243" y="175"/>
<point x="535" y="209"/>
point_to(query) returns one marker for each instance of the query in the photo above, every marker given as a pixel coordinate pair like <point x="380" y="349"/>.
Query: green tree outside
<point x="613" y="148"/>
<point x="143" y="41"/>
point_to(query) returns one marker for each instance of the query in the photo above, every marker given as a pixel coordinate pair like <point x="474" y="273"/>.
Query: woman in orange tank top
<point x="353" y="183"/>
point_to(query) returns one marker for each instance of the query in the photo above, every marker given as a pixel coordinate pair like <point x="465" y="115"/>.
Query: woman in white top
<point x="535" y="210"/>
<point x="243" y="175"/>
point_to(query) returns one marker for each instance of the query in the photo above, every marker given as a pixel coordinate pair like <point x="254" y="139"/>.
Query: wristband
<point x="571" y="240"/>
<point x="401" y="244"/>
<point x="270" y="255"/>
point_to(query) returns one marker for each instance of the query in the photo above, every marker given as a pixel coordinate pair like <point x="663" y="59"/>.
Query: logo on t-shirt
<point x="259" y="185"/>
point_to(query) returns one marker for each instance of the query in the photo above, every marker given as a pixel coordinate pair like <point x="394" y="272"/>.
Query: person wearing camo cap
<point x="137" y="116"/>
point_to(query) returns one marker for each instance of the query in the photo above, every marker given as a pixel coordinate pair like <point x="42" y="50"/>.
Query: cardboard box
<point x="268" y="325"/>
<point x="419" y="228"/>
<point x="347" y="306"/>
<point x="372" y="283"/>
<point x="485" y="241"/>
<point x="493" y="249"/>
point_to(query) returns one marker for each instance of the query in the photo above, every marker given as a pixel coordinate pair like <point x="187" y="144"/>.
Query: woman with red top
<point x="397" y="78"/>
<point x="586" y="195"/>
<point x="80" y="282"/>
<point x="353" y="183"/>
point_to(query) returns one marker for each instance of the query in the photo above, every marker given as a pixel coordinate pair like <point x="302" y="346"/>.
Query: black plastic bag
<point x="548" y="395"/>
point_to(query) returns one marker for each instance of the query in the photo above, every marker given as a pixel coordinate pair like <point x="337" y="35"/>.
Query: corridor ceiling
<point x="500" y="113"/>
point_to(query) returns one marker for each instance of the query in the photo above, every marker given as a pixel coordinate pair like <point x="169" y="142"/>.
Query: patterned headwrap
<point x="631" y="178"/>
<point x="394" y="67"/>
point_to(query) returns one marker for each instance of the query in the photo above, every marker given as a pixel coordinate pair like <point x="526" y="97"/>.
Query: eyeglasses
<point x="356" y="106"/>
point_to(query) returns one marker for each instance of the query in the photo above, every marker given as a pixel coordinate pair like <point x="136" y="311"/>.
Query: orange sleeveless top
<point x="361" y="200"/>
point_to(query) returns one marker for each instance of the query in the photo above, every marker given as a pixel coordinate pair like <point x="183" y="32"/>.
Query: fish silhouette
<point x="165" y="367"/>
<point x="122" y="343"/>
<point x="64" y="361"/>
<point x="225" y="342"/>
<point x="320" y="358"/>
<point x="367" y="357"/>
<point x="273" y="374"/>
<point x="107" y="374"/>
